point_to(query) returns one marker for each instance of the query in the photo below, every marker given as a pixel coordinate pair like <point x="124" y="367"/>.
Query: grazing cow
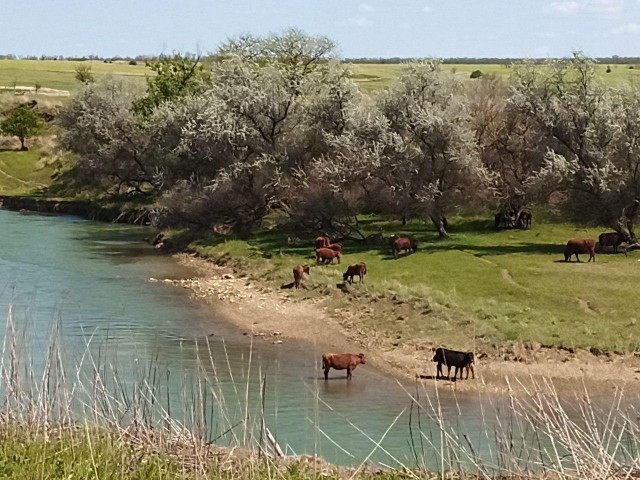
<point x="404" y="244"/>
<point x="453" y="358"/>
<point x="525" y="218"/>
<point x="580" y="245"/>
<point x="326" y="255"/>
<point x="359" y="269"/>
<point x="298" y="272"/>
<point x="322" y="242"/>
<point x="614" y="239"/>
<point x="392" y="239"/>
<point x="341" y="361"/>
<point x="336" y="247"/>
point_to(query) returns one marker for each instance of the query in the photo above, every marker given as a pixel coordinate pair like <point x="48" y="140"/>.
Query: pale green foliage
<point x="591" y="131"/>
<point x="83" y="74"/>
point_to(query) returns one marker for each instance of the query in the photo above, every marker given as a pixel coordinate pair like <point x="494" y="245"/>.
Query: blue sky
<point x="368" y="28"/>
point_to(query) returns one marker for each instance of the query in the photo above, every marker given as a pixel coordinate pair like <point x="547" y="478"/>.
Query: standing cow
<point x="298" y="273"/>
<point x="453" y="358"/>
<point x="322" y="242"/>
<point x="341" y="361"/>
<point x="404" y="244"/>
<point x="326" y="255"/>
<point x="614" y="239"/>
<point x="359" y="269"/>
<point x="580" y="245"/>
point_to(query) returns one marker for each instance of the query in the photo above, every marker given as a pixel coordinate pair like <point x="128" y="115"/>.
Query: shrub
<point x="133" y="62"/>
<point x="475" y="74"/>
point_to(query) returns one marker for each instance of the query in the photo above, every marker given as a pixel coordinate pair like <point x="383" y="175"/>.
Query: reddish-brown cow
<point x="298" y="272"/>
<point x="341" y="361"/>
<point x="326" y="255"/>
<point x="404" y="244"/>
<point x="580" y="245"/>
<point x="359" y="269"/>
<point x="322" y="242"/>
<point x="336" y="247"/>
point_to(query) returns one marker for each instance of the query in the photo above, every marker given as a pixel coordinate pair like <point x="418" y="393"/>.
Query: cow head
<point x="305" y="269"/>
<point x="345" y="275"/>
<point x="361" y="355"/>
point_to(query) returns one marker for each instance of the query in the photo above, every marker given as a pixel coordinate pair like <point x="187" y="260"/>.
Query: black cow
<point x="453" y="358"/>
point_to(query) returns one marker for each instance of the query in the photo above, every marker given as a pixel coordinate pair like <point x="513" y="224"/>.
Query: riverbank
<point x="281" y="315"/>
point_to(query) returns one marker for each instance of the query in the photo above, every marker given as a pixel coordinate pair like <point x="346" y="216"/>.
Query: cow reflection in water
<point x="341" y="361"/>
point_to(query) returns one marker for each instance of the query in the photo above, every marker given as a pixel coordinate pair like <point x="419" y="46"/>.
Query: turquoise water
<point x="92" y="280"/>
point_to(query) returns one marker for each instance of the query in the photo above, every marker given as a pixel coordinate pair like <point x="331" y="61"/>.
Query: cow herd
<point x="326" y="252"/>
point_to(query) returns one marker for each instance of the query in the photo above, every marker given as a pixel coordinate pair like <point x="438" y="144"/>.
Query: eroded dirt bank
<point x="273" y="315"/>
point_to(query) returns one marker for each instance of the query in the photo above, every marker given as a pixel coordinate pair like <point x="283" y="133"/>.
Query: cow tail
<point x="365" y="268"/>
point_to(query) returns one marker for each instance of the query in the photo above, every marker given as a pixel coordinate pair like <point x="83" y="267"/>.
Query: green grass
<point x="372" y="77"/>
<point x="60" y="74"/>
<point x="499" y="286"/>
<point x="23" y="173"/>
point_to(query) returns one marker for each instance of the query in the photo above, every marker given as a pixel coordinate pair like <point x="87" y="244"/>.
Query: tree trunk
<point x="22" y="147"/>
<point x="440" y="222"/>
<point x="404" y="220"/>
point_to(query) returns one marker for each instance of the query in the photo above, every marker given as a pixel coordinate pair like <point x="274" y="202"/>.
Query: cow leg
<point x="473" y="374"/>
<point x="439" y="370"/>
<point x="326" y="372"/>
<point x="577" y="258"/>
<point x="592" y="256"/>
<point x="448" y="372"/>
<point x="348" y="373"/>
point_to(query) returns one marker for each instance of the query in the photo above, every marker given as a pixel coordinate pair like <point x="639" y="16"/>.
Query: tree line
<point x="276" y="124"/>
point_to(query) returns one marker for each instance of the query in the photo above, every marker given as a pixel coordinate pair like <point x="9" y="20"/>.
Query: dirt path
<point x="264" y="312"/>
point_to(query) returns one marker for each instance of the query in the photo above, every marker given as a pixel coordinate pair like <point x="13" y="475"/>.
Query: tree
<point x="22" y="123"/>
<point x="176" y="76"/>
<point x="83" y="74"/>
<point x="591" y="133"/>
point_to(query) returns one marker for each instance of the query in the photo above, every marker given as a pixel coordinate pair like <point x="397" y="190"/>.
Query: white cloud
<point x="365" y="7"/>
<point x="358" y="22"/>
<point x="564" y="7"/>
<point x="574" y="7"/>
<point x="427" y="9"/>
<point x="629" y="28"/>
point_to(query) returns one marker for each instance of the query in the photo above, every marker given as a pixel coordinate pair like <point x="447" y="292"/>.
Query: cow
<point x="405" y="244"/>
<point x="580" y="245"/>
<point x="359" y="269"/>
<point x="614" y="239"/>
<point x="336" y="247"/>
<point x="341" y="361"/>
<point x="453" y="358"/>
<point x="298" y="272"/>
<point x="322" y="242"/>
<point x="392" y="239"/>
<point x="326" y="255"/>
<point x="525" y="218"/>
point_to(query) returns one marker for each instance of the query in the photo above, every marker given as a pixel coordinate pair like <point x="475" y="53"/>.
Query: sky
<point x="367" y="28"/>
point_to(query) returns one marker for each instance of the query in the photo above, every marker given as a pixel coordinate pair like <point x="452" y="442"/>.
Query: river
<point x="92" y="280"/>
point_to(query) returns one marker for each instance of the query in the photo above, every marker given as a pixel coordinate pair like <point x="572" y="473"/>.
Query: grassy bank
<point x="480" y="286"/>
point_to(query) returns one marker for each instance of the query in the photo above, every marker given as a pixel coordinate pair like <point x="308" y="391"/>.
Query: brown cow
<point x="298" y="272"/>
<point x="405" y="244"/>
<point x="341" y="361"/>
<point x="580" y="245"/>
<point x="336" y="247"/>
<point x="326" y="255"/>
<point x="614" y="239"/>
<point x="322" y="242"/>
<point x="359" y="269"/>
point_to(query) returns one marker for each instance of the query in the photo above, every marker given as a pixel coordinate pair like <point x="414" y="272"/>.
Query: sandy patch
<point x="271" y="314"/>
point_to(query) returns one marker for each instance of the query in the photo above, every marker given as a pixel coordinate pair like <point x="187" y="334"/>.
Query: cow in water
<point x="580" y="245"/>
<point x="453" y="358"/>
<point x="341" y="361"/>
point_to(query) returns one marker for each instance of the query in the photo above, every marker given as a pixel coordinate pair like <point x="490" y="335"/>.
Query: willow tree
<point x="591" y="133"/>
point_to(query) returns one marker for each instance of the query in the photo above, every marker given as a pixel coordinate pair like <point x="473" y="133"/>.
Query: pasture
<point x="371" y="77"/>
<point x="480" y="285"/>
<point x="60" y="74"/>
<point x="24" y="173"/>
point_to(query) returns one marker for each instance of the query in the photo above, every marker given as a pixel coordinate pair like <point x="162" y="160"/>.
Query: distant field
<point x="375" y="76"/>
<point x="24" y="173"/>
<point x="60" y="74"/>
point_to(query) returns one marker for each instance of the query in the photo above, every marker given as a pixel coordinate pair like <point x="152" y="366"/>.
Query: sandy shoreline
<point x="273" y="315"/>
